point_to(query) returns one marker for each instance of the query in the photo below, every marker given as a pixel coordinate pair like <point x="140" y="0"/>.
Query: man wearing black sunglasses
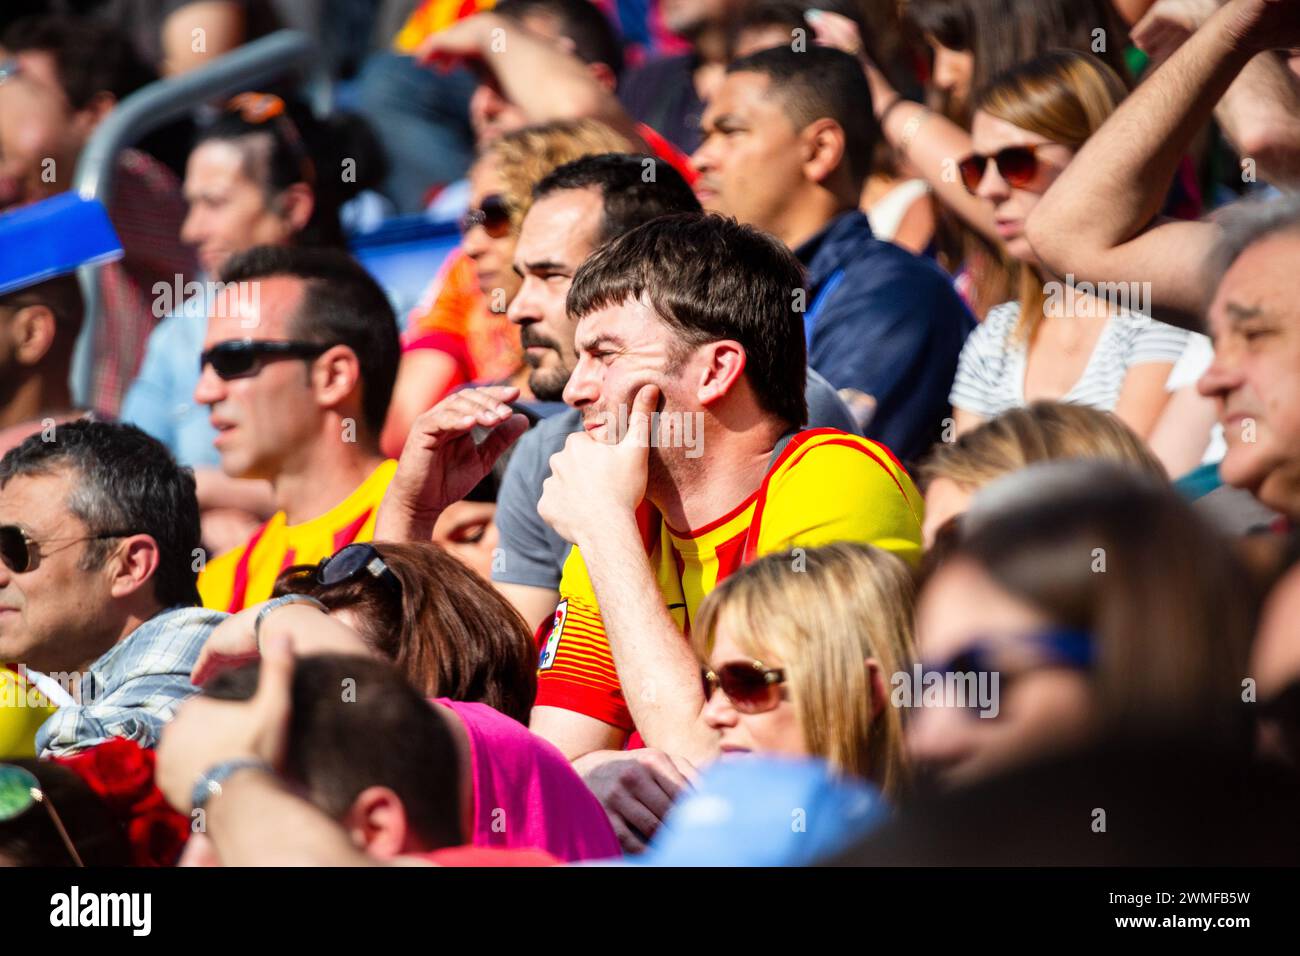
<point x="297" y="380"/>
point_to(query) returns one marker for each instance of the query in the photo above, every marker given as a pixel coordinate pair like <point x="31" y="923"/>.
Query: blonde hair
<point x="1065" y="96"/>
<point x="820" y="613"/>
<point x="1040" y="431"/>
<point x="525" y="156"/>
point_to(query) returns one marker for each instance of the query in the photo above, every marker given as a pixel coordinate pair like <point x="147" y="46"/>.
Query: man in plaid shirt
<point x="99" y="558"/>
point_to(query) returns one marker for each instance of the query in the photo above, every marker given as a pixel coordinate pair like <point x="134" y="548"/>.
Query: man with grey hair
<point x="99" y="535"/>
<point x="1254" y="380"/>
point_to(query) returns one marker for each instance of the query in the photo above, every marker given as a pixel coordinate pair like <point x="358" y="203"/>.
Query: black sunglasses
<point x="240" y="358"/>
<point x="18" y="549"/>
<point x="1018" y="165"/>
<point x="347" y="564"/>
<point x="493" y="215"/>
<point x="751" y="687"/>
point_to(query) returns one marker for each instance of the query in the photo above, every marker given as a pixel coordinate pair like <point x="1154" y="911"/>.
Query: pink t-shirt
<point x="526" y="796"/>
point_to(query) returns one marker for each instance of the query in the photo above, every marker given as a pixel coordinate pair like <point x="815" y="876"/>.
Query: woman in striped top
<point x="1063" y="341"/>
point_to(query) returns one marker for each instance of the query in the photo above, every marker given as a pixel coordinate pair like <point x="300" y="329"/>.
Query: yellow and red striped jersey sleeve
<point x="576" y="667"/>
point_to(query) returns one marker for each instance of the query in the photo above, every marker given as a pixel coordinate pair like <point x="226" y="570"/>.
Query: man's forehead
<point x="36" y="500"/>
<point x="1260" y="282"/>
<point x="743" y="94"/>
<point x="254" y="309"/>
<point x="630" y="321"/>
<point x="560" y="228"/>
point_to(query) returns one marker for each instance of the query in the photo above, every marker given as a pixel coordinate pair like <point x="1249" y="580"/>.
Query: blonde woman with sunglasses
<point x="798" y="653"/>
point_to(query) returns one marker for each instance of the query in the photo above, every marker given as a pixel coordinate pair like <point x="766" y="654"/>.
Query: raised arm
<point x="931" y="143"/>
<point x="1260" y="112"/>
<point x="1095" y="222"/>
<point x="535" y="74"/>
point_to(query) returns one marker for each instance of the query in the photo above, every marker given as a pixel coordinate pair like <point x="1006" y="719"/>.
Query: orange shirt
<point x="457" y="318"/>
<point x="247" y="574"/>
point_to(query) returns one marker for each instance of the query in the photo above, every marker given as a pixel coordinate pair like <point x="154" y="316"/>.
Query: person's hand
<point x="231" y="644"/>
<point x="442" y="461"/>
<point x="206" y="732"/>
<point x="835" y="30"/>
<point x="1263" y="24"/>
<point x="592" y="481"/>
<point x="464" y="40"/>
<point x="1164" y="27"/>
<point x="636" y="788"/>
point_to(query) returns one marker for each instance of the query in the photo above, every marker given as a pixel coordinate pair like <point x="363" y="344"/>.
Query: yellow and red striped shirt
<point x="825" y="486"/>
<point x="246" y="575"/>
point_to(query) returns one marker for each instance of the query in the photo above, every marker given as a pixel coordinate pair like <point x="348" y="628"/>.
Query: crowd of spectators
<point x="855" y="434"/>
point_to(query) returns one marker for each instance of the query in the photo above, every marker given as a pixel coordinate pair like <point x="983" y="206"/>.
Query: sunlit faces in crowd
<point x="468" y="531"/>
<point x="1255" y="377"/>
<point x="962" y="610"/>
<point x="798" y="650"/>
<point x="50" y="613"/>
<point x="1093" y="601"/>
<point x="1015" y="182"/>
<point x="952" y="72"/>
<point x="41" y="135"/>
<point x="624" y="347"/>
<point x="229" y="206"/>
<point x="557" y="236"/>
<point x="488" y="238"/>
<point x="751" y="154"/>
<point x="266" y="417"/>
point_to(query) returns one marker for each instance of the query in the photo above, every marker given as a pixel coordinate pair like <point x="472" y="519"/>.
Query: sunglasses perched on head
<point x="751" y="687"/>
<point x="1018" y="165"/>
<point x="19" y="792"/>
<point x="258" y="108"/>
<point x="351" y="563"/>
<point x="18" y="550"/>
<point x="493" y="214"/>
<point x="240" y="358"/>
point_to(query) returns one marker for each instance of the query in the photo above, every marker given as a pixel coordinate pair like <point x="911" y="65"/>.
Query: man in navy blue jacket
<point x="788" y="140"/>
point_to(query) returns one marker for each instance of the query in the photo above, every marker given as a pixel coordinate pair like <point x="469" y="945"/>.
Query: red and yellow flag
<point x="433" y="16"/>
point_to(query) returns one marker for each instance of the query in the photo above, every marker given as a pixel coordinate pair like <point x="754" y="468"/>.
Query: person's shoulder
<point x="836" y="457"/>
<point x="188" y="616"/>
<point x="878" y="265"/>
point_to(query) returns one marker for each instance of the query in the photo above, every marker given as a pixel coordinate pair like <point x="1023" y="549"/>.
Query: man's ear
<point x="376" y="823"/>
<point x="87" y="119"/>
<point x="32" y="331"/>
<point x="335" y="376"/>
<point x="295" y="205"/>
<point x="824" y="149"/>
<point x="602" y="74"/>
<point x="723" y="363"/>
<point x="133" y="564"/>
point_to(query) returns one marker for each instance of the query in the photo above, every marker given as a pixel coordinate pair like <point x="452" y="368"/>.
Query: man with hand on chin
<point x="689" y="316"/>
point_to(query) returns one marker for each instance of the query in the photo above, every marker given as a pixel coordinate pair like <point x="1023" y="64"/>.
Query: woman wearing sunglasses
<point x="1056" y="341"/>
<point x="798" y="650"/>
<point x="459" y="333"/>
<point x="1102" y="604"/>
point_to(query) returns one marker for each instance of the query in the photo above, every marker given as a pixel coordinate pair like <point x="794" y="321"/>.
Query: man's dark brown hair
<point x="710" y="278"/>
<point x="356" y="723"/>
